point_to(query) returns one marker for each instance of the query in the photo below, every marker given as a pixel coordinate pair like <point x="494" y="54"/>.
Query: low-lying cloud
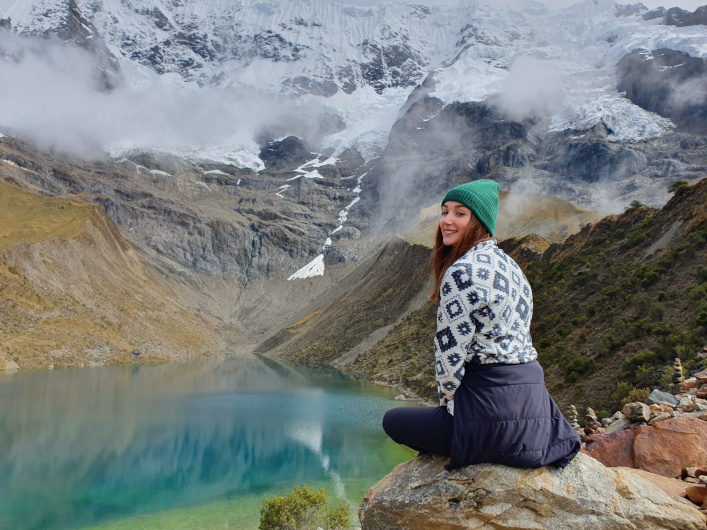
<point x="533" y="88"/>
<point x="49" y="94"/>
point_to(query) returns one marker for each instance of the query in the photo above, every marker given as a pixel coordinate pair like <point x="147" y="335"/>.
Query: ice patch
<point x="313" y="268"/>
<point x="283" y="188"/>
<point x="343" y="214"/>
<point x="308" y="175"/>
<point x="216" y="172"/>
<point x="9" y="162"/>
<point x="238" y="154"/>
<point x="331" y="161"/>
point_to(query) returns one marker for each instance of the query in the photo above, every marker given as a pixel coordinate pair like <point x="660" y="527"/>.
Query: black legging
<point x="425" y="429"/>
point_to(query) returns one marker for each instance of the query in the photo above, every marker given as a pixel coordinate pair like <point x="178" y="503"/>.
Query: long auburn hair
<point x="444" y="256"/>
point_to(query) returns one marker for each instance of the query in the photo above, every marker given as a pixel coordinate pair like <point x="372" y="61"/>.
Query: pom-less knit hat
<point x="481" y="197"/>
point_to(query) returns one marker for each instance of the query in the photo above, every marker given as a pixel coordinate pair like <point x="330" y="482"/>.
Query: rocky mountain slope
<point x="226" y="239"/>
<point x="616" y="303"/>
<point x="74" y="292"/>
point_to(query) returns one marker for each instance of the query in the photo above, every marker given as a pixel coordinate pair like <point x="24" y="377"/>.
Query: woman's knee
<point x="390" y="421"/>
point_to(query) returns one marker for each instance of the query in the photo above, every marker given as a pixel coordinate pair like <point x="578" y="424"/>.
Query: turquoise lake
<point x="187" y="445"/>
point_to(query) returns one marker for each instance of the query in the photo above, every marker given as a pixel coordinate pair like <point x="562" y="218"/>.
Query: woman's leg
<point x="425" y="429"/>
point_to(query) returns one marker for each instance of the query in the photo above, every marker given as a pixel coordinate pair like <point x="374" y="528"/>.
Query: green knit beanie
<point x="481" y="197"/>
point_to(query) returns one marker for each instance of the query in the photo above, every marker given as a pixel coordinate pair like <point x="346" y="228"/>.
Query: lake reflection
<point x="81" y="447"/>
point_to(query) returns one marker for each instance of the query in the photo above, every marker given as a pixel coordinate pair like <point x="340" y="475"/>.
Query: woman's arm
<point x="454" y="329"/>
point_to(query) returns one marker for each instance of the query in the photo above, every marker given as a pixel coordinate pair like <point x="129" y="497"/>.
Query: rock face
<point x="665" y="448"/>
<point x="422" y="495"/>
<point x="662" y="81"/>
<point x="435" y="146"/>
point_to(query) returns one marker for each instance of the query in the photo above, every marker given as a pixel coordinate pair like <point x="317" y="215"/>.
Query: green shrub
<point x="642" y="357"/>
<point x="639" y="395"/>
<point x="678" y="185"/>
<point x="303" y="509"/>
<point x="578" y="321"/>
<point x="665" y="381"/>
<point x="697" y="292"/>
<point x="607" y="344"/>
<point x="575" y="365"/>
<point x="623" y="389"/>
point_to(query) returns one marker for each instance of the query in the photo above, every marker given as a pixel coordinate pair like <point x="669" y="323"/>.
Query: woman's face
<point x="454" y="222"/>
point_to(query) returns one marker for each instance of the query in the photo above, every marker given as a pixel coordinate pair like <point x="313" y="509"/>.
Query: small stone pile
<point x="678" y="378"/>
<point x="690" y="401"/>
<point x="591" y="423"/>
<point x="573" y="417"/>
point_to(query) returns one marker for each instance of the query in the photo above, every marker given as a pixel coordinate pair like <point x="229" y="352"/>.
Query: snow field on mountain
<point x="471" y="48"/>
<point x="313" y="268"/>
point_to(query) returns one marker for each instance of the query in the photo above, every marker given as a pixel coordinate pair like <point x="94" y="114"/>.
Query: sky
<point x="689" y="5"/>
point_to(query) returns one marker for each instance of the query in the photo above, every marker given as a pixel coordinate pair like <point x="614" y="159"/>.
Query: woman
<point x="493" y="403"/>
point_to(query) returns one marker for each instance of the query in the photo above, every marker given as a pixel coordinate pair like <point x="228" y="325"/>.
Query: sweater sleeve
<point x="454" y="330"/>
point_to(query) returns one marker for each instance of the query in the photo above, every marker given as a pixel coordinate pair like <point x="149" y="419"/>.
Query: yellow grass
<point x="25" y="216"/>
<point x="302" y="321"/>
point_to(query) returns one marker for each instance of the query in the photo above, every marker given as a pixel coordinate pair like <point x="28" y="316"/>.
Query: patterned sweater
<point x="485" y="309"/>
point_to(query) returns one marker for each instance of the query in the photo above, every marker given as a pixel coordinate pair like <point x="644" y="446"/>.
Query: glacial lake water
<point x="188" y="445"/>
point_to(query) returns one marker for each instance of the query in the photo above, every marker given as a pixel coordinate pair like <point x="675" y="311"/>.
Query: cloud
<point x="49" y="93"/>
<point x="690" y="92"/>
<point x="533" y="88"/>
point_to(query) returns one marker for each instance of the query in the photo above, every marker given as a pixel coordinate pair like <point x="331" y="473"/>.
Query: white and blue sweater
<point x="485" y="309"/>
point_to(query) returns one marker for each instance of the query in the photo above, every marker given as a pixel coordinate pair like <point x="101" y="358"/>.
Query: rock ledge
<point x="422" y="495"/>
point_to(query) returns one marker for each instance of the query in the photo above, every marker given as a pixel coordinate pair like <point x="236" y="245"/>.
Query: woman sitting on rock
<point x="494" y="404"/>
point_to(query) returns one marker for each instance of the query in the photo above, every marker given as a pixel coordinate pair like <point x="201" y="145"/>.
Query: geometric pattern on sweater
<point x="486" y="305"/>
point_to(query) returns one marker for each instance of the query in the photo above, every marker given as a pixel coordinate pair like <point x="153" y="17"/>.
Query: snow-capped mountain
<point x="362" y="63"/>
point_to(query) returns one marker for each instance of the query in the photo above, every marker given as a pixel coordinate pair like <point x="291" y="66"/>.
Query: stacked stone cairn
<point x="591" y="423"/>
<point x="573" y="417"/>
<point x="678" y="378"/>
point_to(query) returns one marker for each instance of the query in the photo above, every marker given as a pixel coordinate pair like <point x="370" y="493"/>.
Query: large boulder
<point x="422" y="495"/>
<point x="672" y="486"/>
<point x="665" y="448"/>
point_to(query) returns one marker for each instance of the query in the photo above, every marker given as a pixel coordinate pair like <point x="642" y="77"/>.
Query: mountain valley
<point x="268" y="179"/>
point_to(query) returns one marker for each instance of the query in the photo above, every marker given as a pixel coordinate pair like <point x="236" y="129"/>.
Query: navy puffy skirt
<point x="503" y="414"/>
